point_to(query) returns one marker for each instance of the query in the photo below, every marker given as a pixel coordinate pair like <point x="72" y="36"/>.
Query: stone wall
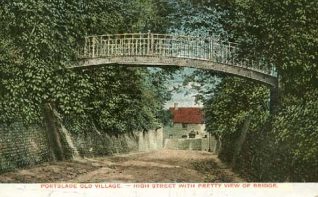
<point x="22" y="146"/>
<point x="176" y="131"/>
<point x="200" y="144"/>
<point x="151" y="140"/>
<point x="99" y="144"/>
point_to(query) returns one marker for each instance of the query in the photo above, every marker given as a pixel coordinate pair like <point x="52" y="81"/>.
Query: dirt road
<point x="159" y="166"/>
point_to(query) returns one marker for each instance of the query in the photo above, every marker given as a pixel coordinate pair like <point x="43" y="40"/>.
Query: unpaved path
<point x="159" y="166"/>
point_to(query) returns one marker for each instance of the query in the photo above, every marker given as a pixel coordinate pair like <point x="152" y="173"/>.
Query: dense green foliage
<point x="40" y="38"/>
<point x="283" y="33"/>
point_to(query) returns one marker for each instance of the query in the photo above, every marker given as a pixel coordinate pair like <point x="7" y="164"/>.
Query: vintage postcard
<point x="158" y="97"/>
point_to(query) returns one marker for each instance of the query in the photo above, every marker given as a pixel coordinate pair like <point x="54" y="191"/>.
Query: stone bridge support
<point x="274" y="98"/>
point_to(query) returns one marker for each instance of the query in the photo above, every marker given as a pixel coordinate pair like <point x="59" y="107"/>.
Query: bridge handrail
<point x="169" y="45"/>
<point x="164" y="35"/>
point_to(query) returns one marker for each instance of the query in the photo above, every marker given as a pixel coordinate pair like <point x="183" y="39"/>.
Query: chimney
<point x="175" y="106"/>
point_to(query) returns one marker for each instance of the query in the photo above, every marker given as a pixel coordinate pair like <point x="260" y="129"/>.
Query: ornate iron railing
<point x="163" y="45"/>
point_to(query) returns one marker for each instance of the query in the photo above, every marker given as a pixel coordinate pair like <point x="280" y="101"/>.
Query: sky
<point x="185" y="94"/>
<point x="185" y="97"/>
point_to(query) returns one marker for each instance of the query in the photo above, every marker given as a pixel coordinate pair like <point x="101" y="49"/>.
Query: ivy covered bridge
<point x="151" y="49"/>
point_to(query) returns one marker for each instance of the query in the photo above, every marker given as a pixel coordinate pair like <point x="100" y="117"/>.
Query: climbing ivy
<point x="40" y="39"/>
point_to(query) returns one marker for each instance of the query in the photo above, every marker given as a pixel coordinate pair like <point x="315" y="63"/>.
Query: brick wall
<point x="22" y="146"/>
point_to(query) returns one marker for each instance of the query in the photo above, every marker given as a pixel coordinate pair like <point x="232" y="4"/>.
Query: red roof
<point x="190" y="115"/>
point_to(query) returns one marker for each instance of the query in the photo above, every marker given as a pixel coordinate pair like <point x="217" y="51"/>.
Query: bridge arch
<point x="159" y="50"/>
<point x="149" y="49"/>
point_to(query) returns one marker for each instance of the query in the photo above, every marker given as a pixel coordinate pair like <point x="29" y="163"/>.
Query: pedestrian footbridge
<point x="160" y="50"/>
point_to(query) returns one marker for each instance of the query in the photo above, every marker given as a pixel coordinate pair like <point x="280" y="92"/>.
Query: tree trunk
<point x="54" y="137"/>
<point x="240" y="141"/>
<point x="218" y="145"/>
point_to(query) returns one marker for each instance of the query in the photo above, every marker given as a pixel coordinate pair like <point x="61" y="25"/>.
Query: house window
<point x="184" y="125"/>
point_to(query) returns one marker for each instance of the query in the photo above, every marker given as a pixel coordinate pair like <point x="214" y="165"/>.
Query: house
<point x="188" y="122"/>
